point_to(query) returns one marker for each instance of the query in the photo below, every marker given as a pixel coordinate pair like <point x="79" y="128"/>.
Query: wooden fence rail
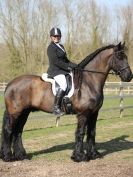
<point x="2" y="86"/>
<point x="119" y="90"/>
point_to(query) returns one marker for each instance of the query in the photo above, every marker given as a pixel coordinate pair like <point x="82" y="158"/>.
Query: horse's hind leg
<point x="18" y="149"/>
<point x="6" y="137"/>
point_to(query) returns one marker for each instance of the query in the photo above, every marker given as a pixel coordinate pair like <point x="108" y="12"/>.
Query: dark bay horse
<point x="29" y="93"/>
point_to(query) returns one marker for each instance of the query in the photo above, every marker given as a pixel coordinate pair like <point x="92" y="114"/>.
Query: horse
<point x="30" y="93"/>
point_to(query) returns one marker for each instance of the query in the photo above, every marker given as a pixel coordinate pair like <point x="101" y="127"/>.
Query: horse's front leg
<point x="78" y="153"/>
<point x="92" y="153"/>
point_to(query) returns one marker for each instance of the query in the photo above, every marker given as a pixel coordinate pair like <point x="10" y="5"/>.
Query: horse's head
<point x="119" y="63"/>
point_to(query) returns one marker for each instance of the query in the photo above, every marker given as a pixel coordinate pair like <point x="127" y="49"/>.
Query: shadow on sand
<point x="114" y="145"/>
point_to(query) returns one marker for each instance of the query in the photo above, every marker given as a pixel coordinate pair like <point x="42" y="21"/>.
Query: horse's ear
<point x="123" y="45"/>
<point x="118" y="46"/>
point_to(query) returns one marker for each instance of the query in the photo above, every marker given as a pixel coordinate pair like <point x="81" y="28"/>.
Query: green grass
<point x="114" y="136"/>
<point x="43" y="140"/>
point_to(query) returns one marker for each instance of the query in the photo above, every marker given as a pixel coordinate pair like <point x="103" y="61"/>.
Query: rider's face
<point x="55" y="38"/>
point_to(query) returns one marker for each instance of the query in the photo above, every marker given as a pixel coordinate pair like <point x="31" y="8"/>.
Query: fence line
<point x="109" y="88"/>
<point x="3" y="86"/>
<point x="114" y="87"/>
<point x="120" y="90"/>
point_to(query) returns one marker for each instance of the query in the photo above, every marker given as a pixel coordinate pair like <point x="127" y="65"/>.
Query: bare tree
<point x="7" y="27"/>
<point x="69" y="17"/>
<point x="125" y="25"/>
<point x="86" y="26"/>
<point x="25" y="25"/>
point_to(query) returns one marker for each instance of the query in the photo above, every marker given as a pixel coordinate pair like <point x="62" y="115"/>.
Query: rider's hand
<point x="69" y="68"/>
<point x="72" y="65"/>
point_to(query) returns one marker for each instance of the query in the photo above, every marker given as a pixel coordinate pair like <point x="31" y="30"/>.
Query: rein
<point x="79" y="70"/>
<point x="104" y="73"/>
<point x="98" y="72"/>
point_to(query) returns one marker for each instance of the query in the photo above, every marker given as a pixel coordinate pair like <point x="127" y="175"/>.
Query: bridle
<point x="121" y="70"/>
<point x="101" y="72"/>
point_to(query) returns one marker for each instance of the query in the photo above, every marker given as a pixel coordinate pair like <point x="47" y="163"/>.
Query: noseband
<point x="121" y="70"/>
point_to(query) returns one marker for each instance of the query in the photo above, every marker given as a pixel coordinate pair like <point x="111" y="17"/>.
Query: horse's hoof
<point x="79" y="157"/>
<point x="95" y="155"/>
<point x="20" y="156"/>
<point x="7" y="158"/>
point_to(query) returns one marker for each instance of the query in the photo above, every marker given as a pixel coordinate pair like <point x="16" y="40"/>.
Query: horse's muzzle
<point x="128" y="79"/>
<point x="131" y="77"/>
<point x="126" y="76"/>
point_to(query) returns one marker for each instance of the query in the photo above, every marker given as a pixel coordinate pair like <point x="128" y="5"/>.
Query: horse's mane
<point x="90" y="57"/>
<point x="83" y="63"/>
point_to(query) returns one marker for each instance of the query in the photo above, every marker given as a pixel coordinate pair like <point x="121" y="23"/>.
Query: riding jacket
<point x="58" y="61"/>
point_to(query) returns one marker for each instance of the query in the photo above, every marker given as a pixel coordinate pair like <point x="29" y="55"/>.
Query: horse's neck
<point x="100" y="64"/>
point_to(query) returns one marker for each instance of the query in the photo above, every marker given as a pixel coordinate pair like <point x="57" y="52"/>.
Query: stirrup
<point x="58" y="112"/>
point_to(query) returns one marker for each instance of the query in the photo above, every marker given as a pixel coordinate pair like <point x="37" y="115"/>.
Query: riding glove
<point x="71" y="66"/>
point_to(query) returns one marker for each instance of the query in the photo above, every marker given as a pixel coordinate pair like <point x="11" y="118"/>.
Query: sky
<point x="113" y="2"/>
<point x="107" y="2"/>
<point x="112" y="5"/>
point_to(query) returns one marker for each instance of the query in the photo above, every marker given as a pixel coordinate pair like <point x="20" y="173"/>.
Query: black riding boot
<point x="57" y="103"/>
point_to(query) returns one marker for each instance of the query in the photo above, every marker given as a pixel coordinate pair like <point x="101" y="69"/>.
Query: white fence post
<point x="121" y="100"/>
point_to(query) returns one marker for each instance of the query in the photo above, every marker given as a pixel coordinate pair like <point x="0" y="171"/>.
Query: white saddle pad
<point x="52" y="81"/>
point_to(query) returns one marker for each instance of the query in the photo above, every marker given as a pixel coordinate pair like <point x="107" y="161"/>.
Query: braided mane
<point x="90" y="57"/>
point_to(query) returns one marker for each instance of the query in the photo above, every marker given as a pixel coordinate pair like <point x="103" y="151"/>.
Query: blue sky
<point x="106" y="2"/>
<point x="113" y="2"/>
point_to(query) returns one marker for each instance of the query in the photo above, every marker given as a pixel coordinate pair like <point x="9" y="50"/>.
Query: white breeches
<point x="61" y="80"/>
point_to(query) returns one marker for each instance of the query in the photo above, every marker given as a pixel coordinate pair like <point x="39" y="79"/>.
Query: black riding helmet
<point x="55" y="32"/>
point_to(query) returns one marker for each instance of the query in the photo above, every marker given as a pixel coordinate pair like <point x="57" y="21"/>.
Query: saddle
<point x="66" y="102"/>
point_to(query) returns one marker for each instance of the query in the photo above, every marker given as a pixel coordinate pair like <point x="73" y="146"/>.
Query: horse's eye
<point x="121" y="56"/>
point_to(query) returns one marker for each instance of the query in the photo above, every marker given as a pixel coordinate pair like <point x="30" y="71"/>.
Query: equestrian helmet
<point x="55" y="32"/>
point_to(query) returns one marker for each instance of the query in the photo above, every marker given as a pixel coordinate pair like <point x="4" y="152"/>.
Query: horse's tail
<point x="5" y="115"/>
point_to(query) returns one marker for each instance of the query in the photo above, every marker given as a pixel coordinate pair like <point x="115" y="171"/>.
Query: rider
<point x="59" y="66"/>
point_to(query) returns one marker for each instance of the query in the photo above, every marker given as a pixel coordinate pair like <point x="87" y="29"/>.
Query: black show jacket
<point x="58" y="61"/>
